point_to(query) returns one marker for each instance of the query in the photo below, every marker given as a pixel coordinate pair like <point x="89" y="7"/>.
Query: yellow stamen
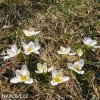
<point x="57" y="79"/>
<point x="78" y="68"/>
<point x="29" y="49"/>
<point x="23" y="78"/>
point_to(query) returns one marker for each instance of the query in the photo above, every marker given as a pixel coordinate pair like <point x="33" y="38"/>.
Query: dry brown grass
<point x="61" y="22"/>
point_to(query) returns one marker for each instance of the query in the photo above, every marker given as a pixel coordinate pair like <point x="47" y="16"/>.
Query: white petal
<point x="72" y="54"/>
<point x="70" y="66"/>
<point x="15" y="80"/>
<point x="27" y="33"/>
<point x="62" y="48"/>
<point x="6" y="57"/>
<point x="79" y="72"/>
<point x="93" y="42"/>
<point x="50" y="69"/>
<point x="9" y="51"/>
<point x="36" y="52"/>
<point x="54" y="72"/>
<point x="79" y="52"/>
<point x="37" y="72"/>
<point x="24" y="71"/>
<point x="80" y="63"/>
<point x="36" y="46"/>
<point x="54" y="83"/>
<point x="45" y="68"/>
<point x="25" y="46"/>
<point x="96" y="47"/>
<point x="67" y="50"/>
<point x="18" y="73"/>
<point x="86" y="40"/>
<point x="65" y="78"/>
<point x="14" y="48"/>
<point x="59" y="52"/>
<point x="29" y="81"/>
<point x="19" y="51"/>
<point x="37" y="32"/>
<point x="40" y="68"/>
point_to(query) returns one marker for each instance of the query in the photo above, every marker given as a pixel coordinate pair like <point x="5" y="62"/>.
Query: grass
<point x="61" y="22"/>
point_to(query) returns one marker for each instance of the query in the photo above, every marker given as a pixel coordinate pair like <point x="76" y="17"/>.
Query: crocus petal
<point x="15" y="80"/>
<point x="54" y="83"/>
<point x="65" y="78"/>
<point x="9" y="51"/>
<point x="14" y="49"/>
<point x="54" y="72"/>
<point x="96" y="47"/>
<point x="89" y="41"/>
<point x="18" y="73"/>
<point x="67" y="50"/>
<point x="72" y="54"/>
<point x="59" y="52"/>
<point x="19" y="51"/>
<point x="36" y="46"/>
<point x="27" y="33"/>
<point x="37" y="72"/>
<point x="24" y="45"/>
<point x="79" y="52"/>
<point x="80" y="63"/>
<point x="34" y="33"/>
<point x="29" y="81"/>
<point x="70" y="66"/>
<point x="36" y="52"/>
<point x="40" y="68"/>
<point x="45" y="68"/>
<point x="79" y="72"/>
<point x="50" y="69"/>
<point x="6" y="57"/>
<point x="93" y="42"/>
<point x="24" y="71"/>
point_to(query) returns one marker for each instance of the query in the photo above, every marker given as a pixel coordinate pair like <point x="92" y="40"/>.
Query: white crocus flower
<point x="31" y="47"/>
<point x="77" y="66"/>
<point x="14" y="51"/>
<point x="57" y="77"/>
<point x="22" y="75"/>
<point x="79" y="52"/>
<point x="30" y="32"/>
<point x="90" y="42"/>
<point x="42" y="68"/>
<point x="65" y="51"/>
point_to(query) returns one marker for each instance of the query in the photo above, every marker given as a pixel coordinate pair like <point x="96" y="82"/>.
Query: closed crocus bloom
<point x="79" y="52"/>
<point x="42" y="68"/>
<point x="14" y="51"/>
<point x="57" y="77"/>
<point x="65" y="51"/>
<point x="31" y="47"/>
<point x="30" y="32"/>
<point x="77" y="66"/>
<point x="90" y="42"/>
<point x="22" y="75"/>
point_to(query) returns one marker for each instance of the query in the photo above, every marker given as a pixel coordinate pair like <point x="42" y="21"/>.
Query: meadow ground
<point x="61" y="23"/>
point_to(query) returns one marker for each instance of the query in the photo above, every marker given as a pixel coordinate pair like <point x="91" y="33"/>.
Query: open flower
<point x="65" y="51"/>
<point x="90" y="42"/>
<point x="22" y="75"/>
<point x="12" y="52"/>
<point x="57" y="77"/>
<point x="31" y="47"/>
<point x="30" y="32"/>
<point x="42" y="68"/>
<point x="77" y="66"/>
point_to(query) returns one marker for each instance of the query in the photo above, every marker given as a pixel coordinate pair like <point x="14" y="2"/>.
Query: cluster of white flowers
<point x="23" y="75"/>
